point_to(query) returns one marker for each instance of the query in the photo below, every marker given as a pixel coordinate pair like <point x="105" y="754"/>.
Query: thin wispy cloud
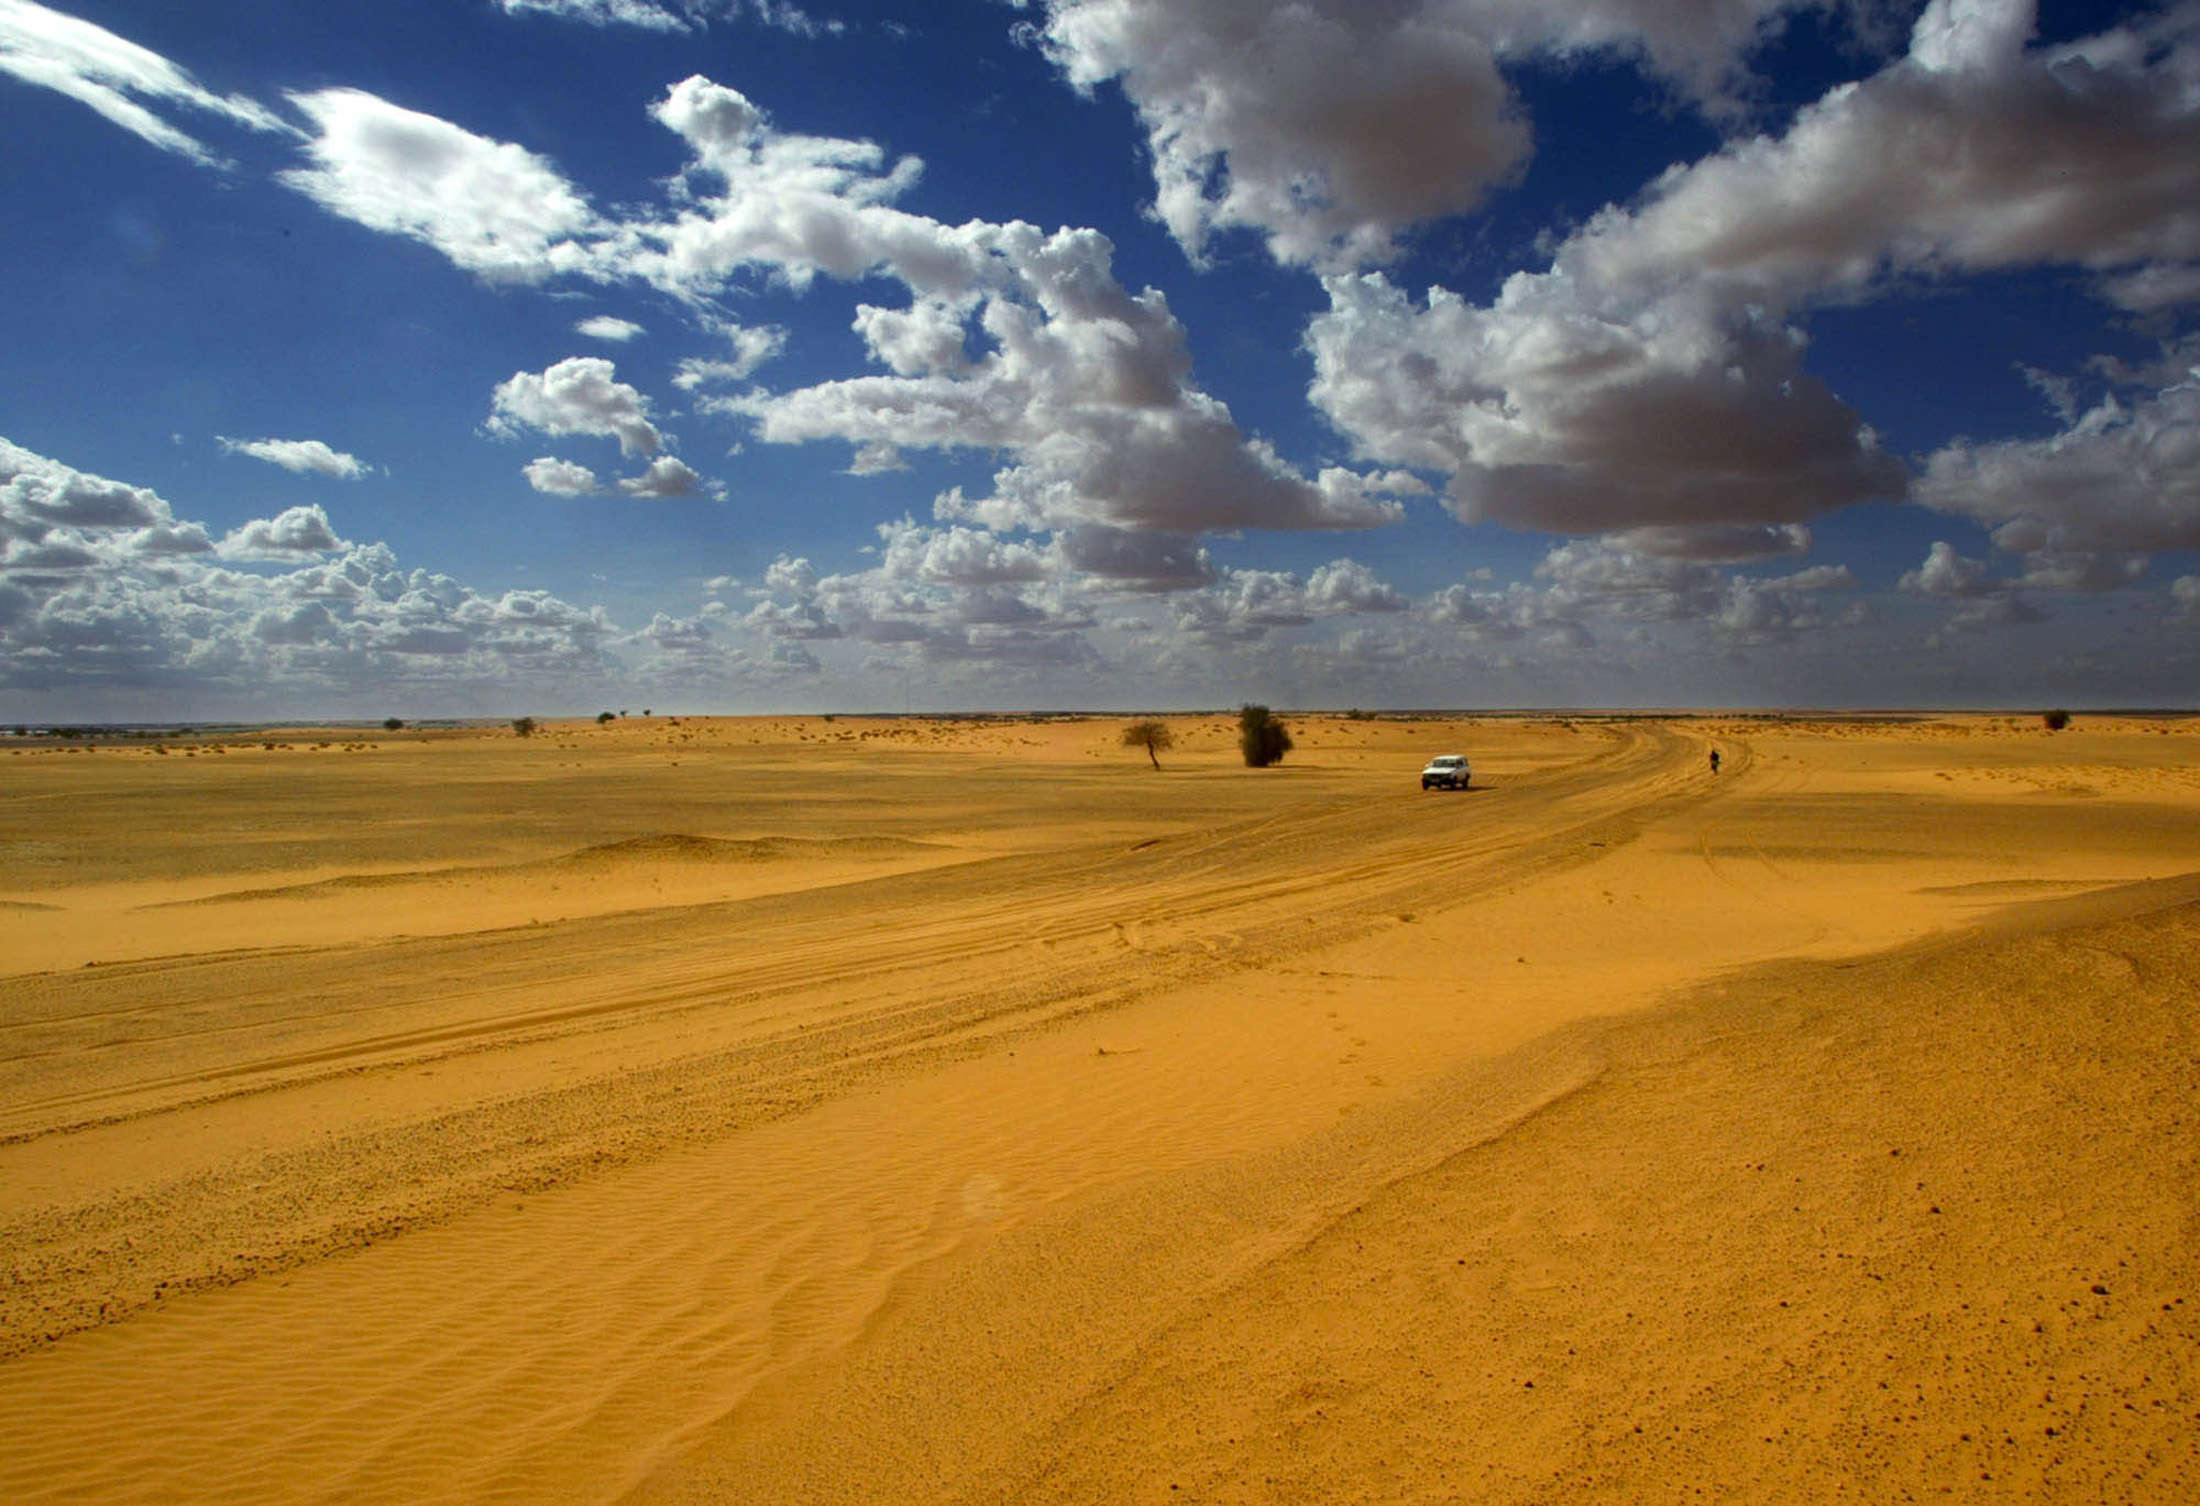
<point x="127" y="84"/>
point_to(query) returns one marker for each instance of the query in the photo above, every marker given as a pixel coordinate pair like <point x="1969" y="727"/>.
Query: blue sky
<point x="471" y="357"/>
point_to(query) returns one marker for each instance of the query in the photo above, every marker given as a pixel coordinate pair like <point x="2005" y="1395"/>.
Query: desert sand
<point x="903" y="1110"/>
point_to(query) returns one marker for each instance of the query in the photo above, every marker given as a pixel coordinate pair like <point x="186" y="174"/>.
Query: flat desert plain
<point x="903" y="1110"/>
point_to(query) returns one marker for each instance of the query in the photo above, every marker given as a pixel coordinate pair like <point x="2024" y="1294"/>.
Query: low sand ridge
<point x="1086" y="1133"/>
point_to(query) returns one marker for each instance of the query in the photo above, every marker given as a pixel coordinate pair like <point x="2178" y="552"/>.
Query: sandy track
<point x="680" y="1170"/>
<point x="775" y="1003"/>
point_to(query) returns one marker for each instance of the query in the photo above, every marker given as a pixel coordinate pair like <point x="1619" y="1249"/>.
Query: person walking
<point x="1714" y="760"/>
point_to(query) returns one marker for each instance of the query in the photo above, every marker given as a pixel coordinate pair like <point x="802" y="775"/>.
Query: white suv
<point x="1446" y="771"/>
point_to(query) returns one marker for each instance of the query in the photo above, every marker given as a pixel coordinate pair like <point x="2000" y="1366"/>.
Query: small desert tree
<point x="1261" y="738"/>
<point x="524" y="725"/>
<point x="1150" y="735"/>
<point x="604" y="716"/>
<point x="393" y="723"/>
<point x="2055" y="720"/>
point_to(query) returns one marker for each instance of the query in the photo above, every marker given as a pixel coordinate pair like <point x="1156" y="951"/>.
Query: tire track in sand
<point x="685" y="1025"/>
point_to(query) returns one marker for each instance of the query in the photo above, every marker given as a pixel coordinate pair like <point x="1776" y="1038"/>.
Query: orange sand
<point x="904" y="1111"/>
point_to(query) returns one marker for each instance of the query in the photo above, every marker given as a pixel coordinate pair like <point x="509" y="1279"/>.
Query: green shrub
<point x="1261" y="738"/>
<point x="524" y="725"/>
<point x="2055" y="720"/>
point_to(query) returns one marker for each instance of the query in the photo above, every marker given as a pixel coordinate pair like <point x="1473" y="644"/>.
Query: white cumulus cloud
<point x="299" y="455"/>
<point x="664" y="477"/>
<point x="493" y="208"/>
<point x="1551" y="413"/>
<point x="292" y="533"/>
<point x="1084" y="385"/>
<point x="2119" y="477"/>
<point x="105" y="593"/>
<point x="1014" y="339"/>
<point x="1980" y="598"/>
<point x="560" y="478"/>
<point x="1330" y="126"/>
<point x="578" y="395"/>
<point x="609" y="327"/>
<point x="1650" y="377"/>
<point x="1244" y="606"/>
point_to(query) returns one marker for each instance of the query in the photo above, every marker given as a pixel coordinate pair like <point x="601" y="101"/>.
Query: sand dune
<point x="844" y="1110"/>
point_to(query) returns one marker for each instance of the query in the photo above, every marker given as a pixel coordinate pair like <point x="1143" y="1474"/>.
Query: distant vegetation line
<point x="148" y="730"/>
